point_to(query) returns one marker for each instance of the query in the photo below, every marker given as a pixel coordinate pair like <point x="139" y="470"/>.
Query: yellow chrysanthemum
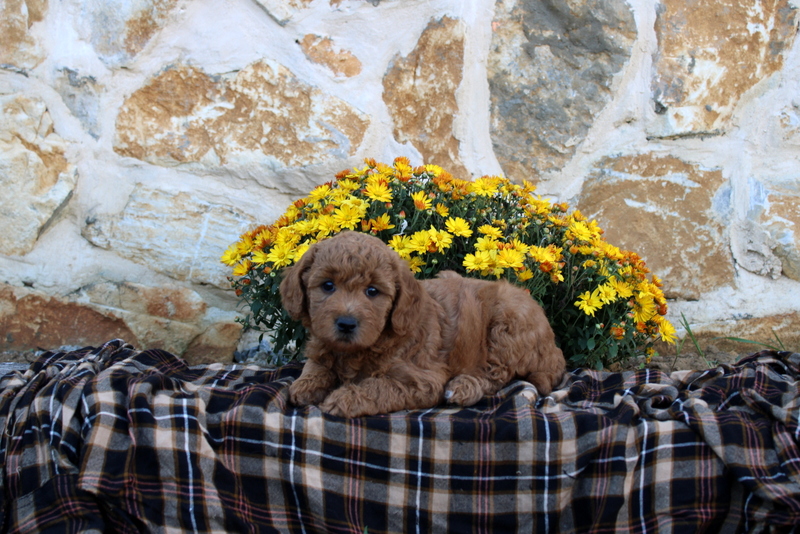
<point x="458" y="226"/>
<point x="509" y="258"/>
<point x="438" y="240"/>
<point x="442" y="210"/>
<point x="281" y="255"/>
<point x="231" y="256"/>
<point x="606" y="293"/>
<point x="245" y="245"/>
<point x="486" y="243"/>
<point x="622" y="289"/>
<point x="242" y="268"/>
<point x="419" y="242"/>
<point x="416" y="263"/>
<point x="326" y="225"/>
<point x="480" y="261"/>
<point x="347" y="216"/>
<point x="644" y="307"/>
<point x="421" y="200"/>
<point x="579" y="231"/>
<point x="548" y="254"/>
<point x="399" y="243"/>
<point x="485" y="186"/>
<point x="524" y="275"/>
<point x="379" y="191"/>
<point x="435" y="170"/>
<point x="665" y="330"/>
<point x="260" y="257"/>
<point x="490" y="231"/>
<point x="381" y="223"/>
<point x="319" y="193"/>
<point x="589" y="302"/>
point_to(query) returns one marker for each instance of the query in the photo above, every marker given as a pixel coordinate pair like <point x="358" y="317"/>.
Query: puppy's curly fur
<point x="381" y="341"/>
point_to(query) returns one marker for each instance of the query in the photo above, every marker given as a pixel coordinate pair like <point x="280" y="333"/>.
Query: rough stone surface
<point x="174" y="233"/>
<point x="775" y="211"/>
<point x="81" y="94"/>
<point x="700" y="72"/>
<point x="773" y="330"/>
<point x="672" y="213"/>
<point x="420" y="92"/>
<point x="30" y="320"/>
<point x="184" y="115"/>
<point x="551" y="67"/>
<point x="215" y="344"/>
<point x="118" y="31"/>
<point x="18" y="48"/>
<point x="37" y="178"/>
<point x="283" y="10"/>
<point x="323" y="51"/>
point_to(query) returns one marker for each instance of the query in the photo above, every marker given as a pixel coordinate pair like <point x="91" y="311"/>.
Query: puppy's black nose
<point x="346" y="324"/>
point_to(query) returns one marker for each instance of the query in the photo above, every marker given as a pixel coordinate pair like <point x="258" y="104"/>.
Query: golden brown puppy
<point x="381" y="341"/>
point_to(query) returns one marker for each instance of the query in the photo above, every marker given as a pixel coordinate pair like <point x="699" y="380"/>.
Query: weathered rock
<point x="322" y="50"/>
<point x="215" y="344"/>
<point x="775" y="212"/>
<point x="168" y="318"/>
<point x="709" y="54"/>
<point x="283" y="10"/>
<point x="177" y="234"/>
<point x="37" y="179"/>
<point x="81" y="94"/>
<point x="29" y="320"/>
<point x="18" y="48"/>
<point x="118" y="31"/>
<point x="672" y="213"/>
<point x="185" y="115"/>
<point x="420" y="92"/>
<point x="771" y="330"/>
<point x="551" y="67"/>
<point x="173" y="303"/>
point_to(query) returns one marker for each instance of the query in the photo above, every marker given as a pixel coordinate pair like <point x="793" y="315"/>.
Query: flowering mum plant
<point x="598" y="298"/>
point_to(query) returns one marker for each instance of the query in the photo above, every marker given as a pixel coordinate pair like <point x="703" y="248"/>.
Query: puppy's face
<point x="348" y="286"/>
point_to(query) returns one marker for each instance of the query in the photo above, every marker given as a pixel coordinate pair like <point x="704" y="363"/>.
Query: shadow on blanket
<point x="113" y="439"/>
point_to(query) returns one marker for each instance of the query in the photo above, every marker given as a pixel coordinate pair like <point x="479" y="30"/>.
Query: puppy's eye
<point x="372" y="292"/>
<point x="328" y="286"/>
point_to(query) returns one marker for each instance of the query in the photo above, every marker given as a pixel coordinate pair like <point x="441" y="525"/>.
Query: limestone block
<point x="322" y="50"/>
<point x="672" y="213"/>
<point x="36" y="177"/>
<point x="18" y="48"/>
<point x="283" y="10"/>
<point x="168" y="318"/>
<point x="709" y="54"/>
<point x="420" y="92"/>
<point x="177" y="234"/>
<point x="120" y="30"/>
<point x="216" y="344"/>
<point x="81" y="94"/>
<point x="777" y="214"/>
<point x="262" y="114"/>
<point x="551" y="66"/>
<point x="30" y="320"/>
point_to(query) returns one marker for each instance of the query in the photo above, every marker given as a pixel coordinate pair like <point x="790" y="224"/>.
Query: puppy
<point x="381" y="341"/>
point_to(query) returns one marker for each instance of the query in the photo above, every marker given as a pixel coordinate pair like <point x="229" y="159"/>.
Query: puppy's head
<point x="350" y="290"/>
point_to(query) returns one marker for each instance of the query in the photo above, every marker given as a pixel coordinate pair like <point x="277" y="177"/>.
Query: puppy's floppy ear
<point x="293" y="288"/>
<point x="408" y="293"/>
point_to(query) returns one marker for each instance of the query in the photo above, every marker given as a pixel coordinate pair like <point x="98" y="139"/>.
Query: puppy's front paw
<point x="348" y="401"/>
<point x="304" y="392"/>
<point x="463" y="390"/>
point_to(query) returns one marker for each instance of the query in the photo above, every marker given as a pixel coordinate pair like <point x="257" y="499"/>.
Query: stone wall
<point x="139" y="139"/>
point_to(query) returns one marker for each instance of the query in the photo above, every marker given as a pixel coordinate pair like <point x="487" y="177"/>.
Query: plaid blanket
<point x="116" y="440"/>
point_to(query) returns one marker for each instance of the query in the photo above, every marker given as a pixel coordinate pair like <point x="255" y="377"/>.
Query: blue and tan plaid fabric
<point x="117" y="440"/>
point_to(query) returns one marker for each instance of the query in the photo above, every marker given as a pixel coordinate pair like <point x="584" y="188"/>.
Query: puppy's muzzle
<point x="346" y="325"/>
